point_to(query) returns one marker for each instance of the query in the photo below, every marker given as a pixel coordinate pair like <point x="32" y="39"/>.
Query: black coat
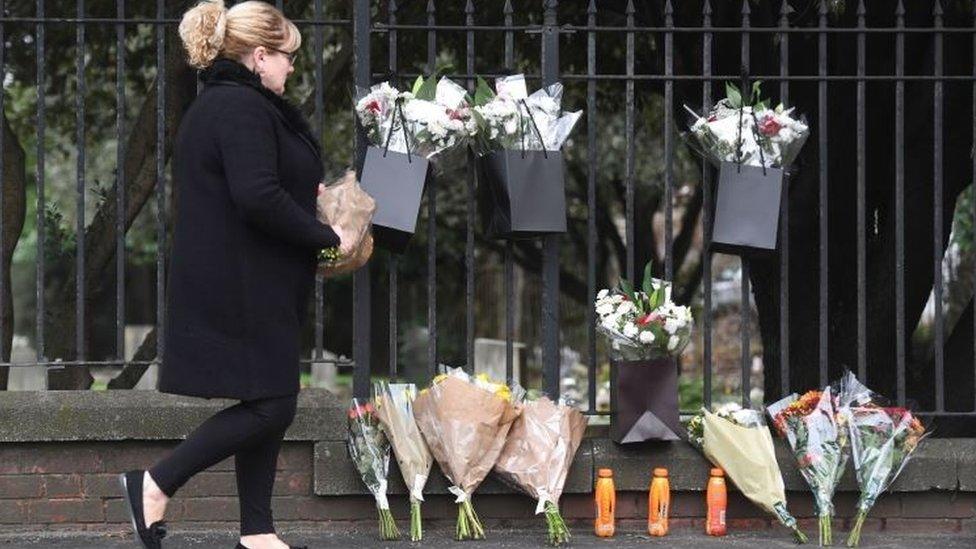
<point x="246" y="169"/>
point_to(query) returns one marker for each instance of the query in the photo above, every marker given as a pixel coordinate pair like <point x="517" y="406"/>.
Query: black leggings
<point x="251" y="431"/>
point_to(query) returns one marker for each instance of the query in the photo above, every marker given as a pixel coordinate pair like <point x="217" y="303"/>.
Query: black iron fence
<point x="838" y="292"/>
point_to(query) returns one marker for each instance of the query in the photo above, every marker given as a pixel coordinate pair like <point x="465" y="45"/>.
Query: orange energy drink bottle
<point x="606" y="504"/>
<point x="717" y="501"/>
<point x="658" y="503"/>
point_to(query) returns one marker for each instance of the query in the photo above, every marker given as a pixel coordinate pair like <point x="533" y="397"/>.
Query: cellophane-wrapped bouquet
<point x="883" y="439"/>
<point x="538" y="454"/>
<point x="394" y="408"/>
<point x="818" y="439"/>
<point x="643" y="323"/>
<point x="737" y="440"/>
<point x="465" y="421"/>
<point x="508" y="117"/>
<point x="744" y="129"/>
<point x="431" y="117"/>
<point x="370" y="452"/>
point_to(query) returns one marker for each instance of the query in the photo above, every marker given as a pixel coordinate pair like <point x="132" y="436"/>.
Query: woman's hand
<point x="345" y="239"/>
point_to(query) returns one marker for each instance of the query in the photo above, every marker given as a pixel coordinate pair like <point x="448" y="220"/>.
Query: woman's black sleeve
<point x="246" y="139"/>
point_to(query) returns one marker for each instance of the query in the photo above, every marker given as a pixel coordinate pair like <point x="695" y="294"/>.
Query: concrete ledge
<point x="51" y="416"/>
<point x="60" y="416"/>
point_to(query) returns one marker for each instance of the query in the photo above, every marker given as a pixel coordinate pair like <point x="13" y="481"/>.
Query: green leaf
<point x="483" y="93"/>
<point x="648" y="283"/>
<point x="417" y="84"/>
<point x="756" y="92"/>
<point x="733" y="95"/>
<point x="428" y="90"/>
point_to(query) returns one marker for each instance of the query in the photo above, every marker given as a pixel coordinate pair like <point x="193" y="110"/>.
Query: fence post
<point x="361" y="280"/>
<point x="550" y="245"/>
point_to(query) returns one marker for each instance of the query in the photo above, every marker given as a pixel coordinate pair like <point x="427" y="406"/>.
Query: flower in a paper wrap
<point x="737" y="440"/>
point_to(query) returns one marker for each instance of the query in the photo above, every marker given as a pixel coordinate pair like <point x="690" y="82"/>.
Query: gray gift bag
<point x="747" y="209"/>
<point x="521" y="193"/>
<point x="396" y="181"/>
<point x="644" y="400"/>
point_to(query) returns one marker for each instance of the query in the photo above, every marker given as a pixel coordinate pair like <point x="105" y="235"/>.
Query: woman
<point x="246" y="170"/>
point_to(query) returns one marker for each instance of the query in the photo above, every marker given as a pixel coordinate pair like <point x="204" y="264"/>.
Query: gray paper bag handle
<point x="398" y="109"/>
<point x="534" y="126"/>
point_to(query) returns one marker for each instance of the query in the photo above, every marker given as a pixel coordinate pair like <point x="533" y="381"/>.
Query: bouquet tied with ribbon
<point x="394" y="408"/>
<point x="370" y="453"/>
<point x="465" y="421"/>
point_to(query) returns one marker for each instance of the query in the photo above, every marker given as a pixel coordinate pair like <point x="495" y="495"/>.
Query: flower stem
<point x="416" y="526"/>
<point x="558" y="531"/>
<point x="388" y="527"/>
<point x="854" y="539"/>
<point x="826" y="534"/>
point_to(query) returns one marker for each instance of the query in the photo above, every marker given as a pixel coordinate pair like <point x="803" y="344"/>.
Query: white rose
<point x="625" y="307"/>
<point x="603" y="293"/>
<point x="604" y="309"/>
<point x="631" y="329"/>
<point x="672" y="325"/>
<point x="646" y="336"/>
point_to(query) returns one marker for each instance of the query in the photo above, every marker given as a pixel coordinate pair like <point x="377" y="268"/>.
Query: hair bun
<point x="202" y="30"/>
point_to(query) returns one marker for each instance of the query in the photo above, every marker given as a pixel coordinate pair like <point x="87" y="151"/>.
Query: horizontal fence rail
<point x="641" y="51"/>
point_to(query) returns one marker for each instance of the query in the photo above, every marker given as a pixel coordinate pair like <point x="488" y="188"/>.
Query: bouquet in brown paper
<point x="394" y="408"/>
<point x="465" y="420"/>
<point x="346" y="204"/>
<point x="537" y="455"/>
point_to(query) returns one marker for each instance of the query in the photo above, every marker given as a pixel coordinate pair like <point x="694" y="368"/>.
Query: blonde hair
<point x="210" y="30"/>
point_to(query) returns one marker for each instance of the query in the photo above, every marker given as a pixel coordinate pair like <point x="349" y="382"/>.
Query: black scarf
<point x="229" y="70"/>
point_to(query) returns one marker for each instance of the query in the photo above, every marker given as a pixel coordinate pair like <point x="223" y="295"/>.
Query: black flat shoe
<point x="240" y="546"/>
<point x="150" y="537"/>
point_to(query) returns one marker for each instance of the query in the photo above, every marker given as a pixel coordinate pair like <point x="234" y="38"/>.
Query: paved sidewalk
<point x="497" y="539"/>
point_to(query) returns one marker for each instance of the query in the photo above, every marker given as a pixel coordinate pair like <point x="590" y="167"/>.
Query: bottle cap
<point x="660" y="472"/>
<point x="717" y="472"/>
<point x="605" y="473"/>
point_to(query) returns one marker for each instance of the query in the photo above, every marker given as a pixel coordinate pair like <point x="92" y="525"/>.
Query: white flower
<point x="625" y="307"/>
<point x="673" y="342"/>
<point x="609" y="322"/>
<point x="646" y="336"/>
<point x="672" y="325"/>
<point x="631" y="329"/>
<point x="604" y="309"/>
<point x="603" y="293"/>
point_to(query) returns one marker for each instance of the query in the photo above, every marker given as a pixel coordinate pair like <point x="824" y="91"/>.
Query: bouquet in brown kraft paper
<point x="537" y="455"/>
<point x="394" y="408"/>
<point x="344" y="203"/>
<point x="465" y="420"/>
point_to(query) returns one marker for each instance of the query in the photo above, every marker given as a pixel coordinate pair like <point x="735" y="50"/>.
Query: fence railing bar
<point x="938" y="232"/>
<point x="431" y="214"/>
<point x="361" y="278"/>
<point x="745" y="308"/>
<point x="784" y="220"/>
<point x="41" y="111"/>
<point x="551" y="355"/>
<point x="900" y="333"/>
<point x="716" y="78"/>
<point x="120" y="182"/>
<point x="469" y="265"/>
<point x="823" y="210"/>
<point x="669" y="144"/>
<point x="629" y="130"/>
<point x="318" y="41"/>
<point x="160" y="183"/>
<point x="80" y="352"/>
<point x="643" y="29"/>
<point x="973" y="191"/>
<point x="862" y="326"/>
<point x="393" y="260"/>
<point x="509" y="259"/>
<point x="591" y="156"/>
<point x="3" y="259"/>
<point x="707" y="207"/>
